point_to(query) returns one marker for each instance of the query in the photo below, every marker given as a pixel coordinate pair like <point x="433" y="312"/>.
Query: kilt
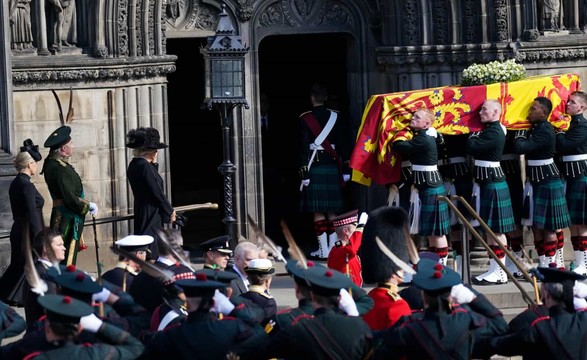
<point x="577" y="199"/>
<point x="324" y="193"/>
<point x="516" y="189"/>
<point x="434" y="215"/>
<point x="464" y="188"/>
<point x="496" y="206"/>
<point x="550" y="205"/>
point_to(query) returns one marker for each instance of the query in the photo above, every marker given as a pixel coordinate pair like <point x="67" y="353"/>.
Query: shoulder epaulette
<point x="542" y="318"/>
<point x="301" y="317"/>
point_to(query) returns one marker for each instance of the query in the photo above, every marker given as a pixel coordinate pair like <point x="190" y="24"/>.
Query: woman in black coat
<point x="152" y="209"/>
<point x="27" y="207"/>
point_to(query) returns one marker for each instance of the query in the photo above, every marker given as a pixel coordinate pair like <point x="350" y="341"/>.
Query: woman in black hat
<point x="27" y="206"/>
<point x="152" y="209"/>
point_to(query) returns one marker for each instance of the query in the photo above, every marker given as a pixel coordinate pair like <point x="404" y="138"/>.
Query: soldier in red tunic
<point x="343" y="256"/>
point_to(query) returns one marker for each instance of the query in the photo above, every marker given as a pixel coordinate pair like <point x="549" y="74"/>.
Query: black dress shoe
<point x="484" y="282"/>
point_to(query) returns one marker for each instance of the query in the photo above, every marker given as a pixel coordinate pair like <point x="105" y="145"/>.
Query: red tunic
<point x="389" y="307"/>
<point x="337" y="259"/>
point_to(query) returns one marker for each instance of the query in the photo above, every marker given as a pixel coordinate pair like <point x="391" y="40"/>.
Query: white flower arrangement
<point x="493" y="72"/>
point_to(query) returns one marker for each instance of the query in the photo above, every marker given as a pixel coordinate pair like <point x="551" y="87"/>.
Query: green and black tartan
<point x="324" y="193"/>
<point x="434" y="215"/>
<point x="496" y="206"/>
<point x="550" y="205"/>
<point x="577" y="199"/>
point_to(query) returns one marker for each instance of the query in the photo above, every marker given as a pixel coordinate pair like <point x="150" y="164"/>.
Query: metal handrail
<point x="113" y="219"/>
<point x="474" y="232"/>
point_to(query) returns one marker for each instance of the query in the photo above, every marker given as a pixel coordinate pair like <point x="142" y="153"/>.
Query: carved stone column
<point x="5" y="78"/>
<point x="99" y="40"/>
<point x="531" y="32"/>
<point x="42" y="48"/>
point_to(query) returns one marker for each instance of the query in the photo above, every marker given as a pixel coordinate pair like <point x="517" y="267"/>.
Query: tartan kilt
<point x="464" y="188"/>
<point x="434" y="215"/>
<point x="516" y="189"/>
<point x="496" y="206"/>
<point x="324" y="193"/>
<point x="577" y="199"/>
<point x="550" y="205"/>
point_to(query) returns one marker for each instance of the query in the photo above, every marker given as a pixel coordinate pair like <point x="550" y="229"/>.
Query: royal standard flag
<point x="457" y="112"/>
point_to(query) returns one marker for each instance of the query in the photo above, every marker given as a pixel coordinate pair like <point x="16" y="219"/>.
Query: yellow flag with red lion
<point x="457" y="112"/>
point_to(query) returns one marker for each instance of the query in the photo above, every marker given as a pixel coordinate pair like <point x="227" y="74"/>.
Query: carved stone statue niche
<point x="62" y="23"/>
<point x="552" y="15"/>
<point x="20" y="26"/>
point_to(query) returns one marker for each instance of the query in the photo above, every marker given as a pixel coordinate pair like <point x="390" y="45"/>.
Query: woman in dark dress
<point x="27" y="207"/>
<point x="152" y="209"/>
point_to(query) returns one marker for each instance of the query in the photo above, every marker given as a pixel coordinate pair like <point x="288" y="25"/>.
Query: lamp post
<point x="224" y="58"/>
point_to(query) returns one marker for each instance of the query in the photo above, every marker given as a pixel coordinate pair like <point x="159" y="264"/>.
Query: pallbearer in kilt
<point x="495" y="206"/>
<point x="548" y="210"/>
<point x="572" y="145"/>
<point x="421" y="149"/>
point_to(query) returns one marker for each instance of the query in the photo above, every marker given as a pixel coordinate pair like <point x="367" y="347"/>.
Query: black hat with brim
<point x="144" y="138"/>
<point x="58" y="138"/>
<point x="200" y="286"/>
<point x="64" y="309"/>
<point x="434" y="278"/>
<point x="220" y="243"/>
<point x="32" y="149"/>
<point x="219" y="275"/>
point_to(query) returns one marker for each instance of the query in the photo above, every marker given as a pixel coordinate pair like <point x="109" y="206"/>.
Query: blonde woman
<point x="27" y="206"/>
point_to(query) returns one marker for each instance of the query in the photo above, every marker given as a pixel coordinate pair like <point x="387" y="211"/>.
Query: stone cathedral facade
<point x="114" y="55"/>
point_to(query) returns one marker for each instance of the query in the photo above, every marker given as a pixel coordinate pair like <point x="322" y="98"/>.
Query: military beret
<point x="260" y="267"/>
<point x="58" y="138"/>
<point x="434" y="278"/>
<point x="62" y="308"/>
<point x="555" y="275"/>
<point x="135" y="242"/>
<point x="326" y="282"/>
<point x="73" y="282"/>
<point x="222" y="276"/>
<point x="220" y="243"/>
<point x="201" y="286"/>
<point x="346" y="218"/>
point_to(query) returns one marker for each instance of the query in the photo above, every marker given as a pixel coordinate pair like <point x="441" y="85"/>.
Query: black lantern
<point x="224" y="58"/>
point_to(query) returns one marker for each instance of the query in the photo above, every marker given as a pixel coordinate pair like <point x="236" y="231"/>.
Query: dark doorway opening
<point x="288" y="67"/>
<point x="195" y="143"/>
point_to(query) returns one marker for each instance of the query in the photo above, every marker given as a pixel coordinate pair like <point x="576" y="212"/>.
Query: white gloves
<point x="93" y="208"/>
<point x="306" y="182"/>
<point x="222" y="304"/>
<point x="346" y="177"/>
<point x="579" y="304"/>
<point x="102" y="296"/>
<point x="91" y="323"/>
<point x="432" y="132"/>
<point x="462" y="294"/>
<point x="347" y="303"/>
<point x="580" y="290"/>
<point x="363" y="218"/>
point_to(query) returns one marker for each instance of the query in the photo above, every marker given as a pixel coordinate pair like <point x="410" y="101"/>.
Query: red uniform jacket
<point x="337" y="259"/>
<point x="388" y="309"/>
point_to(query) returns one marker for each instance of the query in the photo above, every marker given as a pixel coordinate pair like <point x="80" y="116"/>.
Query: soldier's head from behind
<point x="325" y="285"/>
<point x="490" y="111"/>
<point x="436" y="282"/>
<point x="301" y="285"/>
<point x="540" y="109"/>
<point x="390" y="224"/>
<point x="48" y="245"/>
<point x="224" y="277"/>
<point x="217" y="251"/>
<point x="199" y="292"/>
<point x="63" y="316"/>
<point x="73" y="282"/>
<point x="318" y="94"/>
<point x="260" y="272"/>
<point x="557" y="287"/>
<point x="577" y="103"/>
